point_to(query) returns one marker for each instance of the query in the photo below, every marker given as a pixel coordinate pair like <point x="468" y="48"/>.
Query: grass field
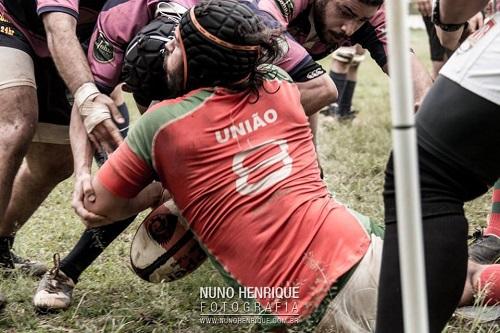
<point x="110" y="298"/>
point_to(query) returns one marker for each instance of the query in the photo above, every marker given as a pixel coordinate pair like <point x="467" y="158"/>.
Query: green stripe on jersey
<point x="140" y="138"/>
<point x="272" y="72"/>
<point x="495" y="207"/>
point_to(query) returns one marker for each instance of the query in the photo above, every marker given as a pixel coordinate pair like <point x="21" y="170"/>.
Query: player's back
<point x="243" y="171"/>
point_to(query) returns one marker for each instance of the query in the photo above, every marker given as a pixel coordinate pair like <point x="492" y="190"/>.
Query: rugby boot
<point x="330" y="110"/>
<point x="346" y="116"/>
<point x="484" y="249"/>
<point x="10" y="262"/>
<point x="55" y="290"/>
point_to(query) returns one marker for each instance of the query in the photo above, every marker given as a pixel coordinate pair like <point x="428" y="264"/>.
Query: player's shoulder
<point x="282" y="10"/>
<point x="167" y="112"/>
<point x="273" y="72"/>
<point x="171" y="109"/>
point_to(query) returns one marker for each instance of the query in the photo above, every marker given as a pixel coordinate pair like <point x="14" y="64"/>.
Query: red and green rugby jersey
<point x="243" y="172"/>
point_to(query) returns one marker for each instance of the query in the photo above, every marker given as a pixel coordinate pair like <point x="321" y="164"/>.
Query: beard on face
<point x="174" y="81"/>
<point x="320" y="23"/>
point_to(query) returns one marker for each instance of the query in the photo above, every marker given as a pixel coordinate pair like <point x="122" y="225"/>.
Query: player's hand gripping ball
<point x="163" y="248"/>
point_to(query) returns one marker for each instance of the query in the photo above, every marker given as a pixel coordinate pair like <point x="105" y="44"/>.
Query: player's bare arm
<point x="451" y="39"/>
<point x="317" y="93"/>
<point x="82" y="159"/>
<point x="115" y="208"/>
<point x="73" y="67"/>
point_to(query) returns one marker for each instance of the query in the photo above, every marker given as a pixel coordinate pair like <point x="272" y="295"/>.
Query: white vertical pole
<point x="411" y="253"/>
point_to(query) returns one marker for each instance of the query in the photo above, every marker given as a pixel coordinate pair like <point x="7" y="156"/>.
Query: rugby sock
<point x="90" y="246"/>
<point x="445" y="250"/>
<point x="345" y="99"/>
<point x="5" y="256"/>
<point x="6" y="243"/>
<point x="494" y="216"/>
<point x="339" y="80"/>
<point x="445" y="256"/>
<point x="489" y="284"/>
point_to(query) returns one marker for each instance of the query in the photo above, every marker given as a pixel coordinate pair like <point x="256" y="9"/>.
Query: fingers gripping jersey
<point x="26" y="15"/>
<point x="245" y="176"/>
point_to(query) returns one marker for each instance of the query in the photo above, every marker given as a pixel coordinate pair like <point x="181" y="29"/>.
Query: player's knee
<point x="18" y="106"/>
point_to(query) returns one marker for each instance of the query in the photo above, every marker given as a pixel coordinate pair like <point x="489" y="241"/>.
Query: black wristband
<point x="436" y="19"/>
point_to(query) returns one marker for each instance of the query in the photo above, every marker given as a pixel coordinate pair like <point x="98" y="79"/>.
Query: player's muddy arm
<point x="72" y="65"/>
<point x="66" y="50"/>
<point x="115" y="208"/>
<point x="80" y="145"/>
<point x="450" y="39"/>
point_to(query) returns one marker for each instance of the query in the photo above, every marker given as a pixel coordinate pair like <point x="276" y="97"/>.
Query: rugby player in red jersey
<point x="235" y="152"/>
<point x="314" y="29"/>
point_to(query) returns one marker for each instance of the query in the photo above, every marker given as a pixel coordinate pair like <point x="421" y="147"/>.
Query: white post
<point x="411" y="252"/>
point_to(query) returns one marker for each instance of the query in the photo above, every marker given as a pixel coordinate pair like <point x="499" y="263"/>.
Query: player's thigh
<point x="354" y="308"/>
<point x="18" y="102"/>
<point x="51" y="144"/>
<point x="461" y="130"/>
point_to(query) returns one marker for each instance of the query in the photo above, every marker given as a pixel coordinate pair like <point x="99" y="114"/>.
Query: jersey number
<point x="282" y="157"/>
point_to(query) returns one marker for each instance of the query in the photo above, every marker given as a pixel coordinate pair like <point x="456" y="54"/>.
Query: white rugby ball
<point x="164" y="248"/>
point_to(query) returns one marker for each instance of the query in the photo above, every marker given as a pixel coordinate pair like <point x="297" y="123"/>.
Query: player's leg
<point x="341" y="59"/>
<point x="446" y="222"/>
<point x="48" y="161"/>
<point x="44" y="166"/>
<point x="17" y="124"/>
<point x="18" y="110"/>
<point x="345" y="99"/>
<point x="354" y="307"/>
<point x="486" y="248"/>
<point x="449" y="177"/>
<point x="55" y="290"/>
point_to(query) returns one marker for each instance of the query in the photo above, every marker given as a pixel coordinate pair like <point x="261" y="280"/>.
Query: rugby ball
<point x="163" y="248"/>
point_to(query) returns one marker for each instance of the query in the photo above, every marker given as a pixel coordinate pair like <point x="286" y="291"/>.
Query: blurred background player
<point x="344" y="72"/>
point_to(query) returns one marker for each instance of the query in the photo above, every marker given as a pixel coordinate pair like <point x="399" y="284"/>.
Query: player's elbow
<point x="317" y="93"/>
<point x="329" y="93"/>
